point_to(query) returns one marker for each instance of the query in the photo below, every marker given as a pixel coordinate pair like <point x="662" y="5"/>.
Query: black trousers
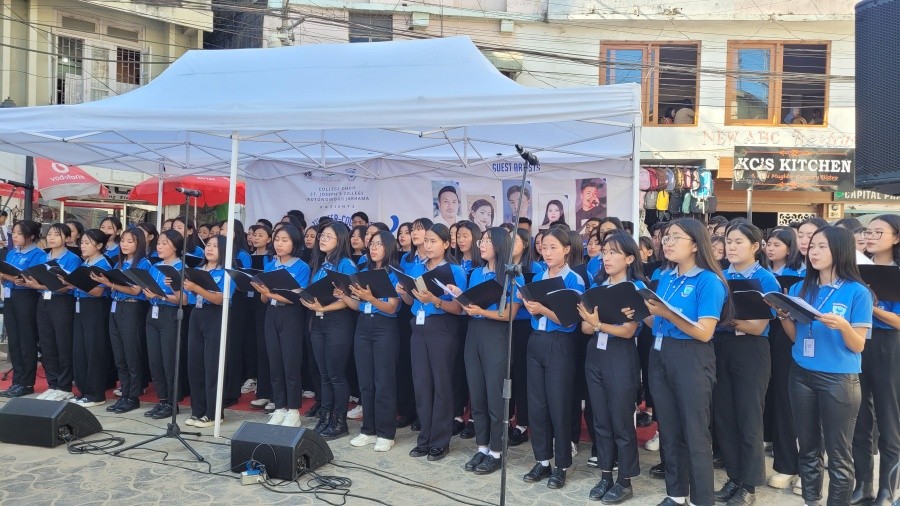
<point x="332" y="342"/>
<point x="880" y="395"/>
<point x="784" y="438"/>
<point x="485" y="353"/>
<point x="518" y="403"/>
<point x="126" y="328"/>
<point x="612" y="382"/>
<point x="204" y="339"/>
<point x="263" y="378"/>
<point x="234" y="347"/>
<point x="244" y="309"/>
<point x="825" y="409"/>
<point x="580" y="391"/>
<point x="376" y="344"/>
<point x="644" y="345"/>
<point x="460" y="386"/>
<point x="682" y="375"/>
<point x="433" y="351"/>
<point x="284" y="343"/>
<point x="161" y="346"/>
<point x="19" y="315"/>
<point x="313" y="377"/>
<point x="550" y="384"/>
<point x="742" y="377"/>
<point x="90" y="347"/>
<point x="55" y="324"/>
<point x="406" y="396"/>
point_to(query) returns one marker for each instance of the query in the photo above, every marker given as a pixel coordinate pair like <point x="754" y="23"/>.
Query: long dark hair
<point x="576" y="251"/>
<point x="623" y="242"/>
<point x="96" y="236"/>
<point x="565" y="238"/>
<point x="476" y="235"/>
<point x="408" y="226"/>
<point x="893" y="221"/>
<point x="150" y="230"/>
<point x="752" y="233"/>
<point x="79" y="229"/>
<point x="176" y="239"/>
<point x="842" y="245"/>
<point x="390" y="251"/>
<point x="647" y="242"/>
<point x="140" y="251"/>
<point x="191" y="239"/>
<point x="704" y="258"/>
<point x="63" y="230"/>
<point x="425" y="223"/>
<point x="361" y="230"/>
<point x="240" y="237"/>
<point x="527" y="251"/>
<point x="340" y="251"/>
<point x="788" y="237"/>
<point x="562" y="211"/>
<point x="117" y="224"/>
<point x="295" y="237"/>
<point x="30" y="229"/>
<point x="443" y="234"/>
<point x="502" y="243"/>
<point x="221" y="242"/>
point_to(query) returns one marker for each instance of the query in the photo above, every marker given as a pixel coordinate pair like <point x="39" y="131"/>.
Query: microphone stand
<point x="511" y="271"/>
<point x="172" y="429"/>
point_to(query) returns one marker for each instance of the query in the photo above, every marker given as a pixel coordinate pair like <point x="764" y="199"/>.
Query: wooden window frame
<point x="775" y="82"/>
<point x="648" y="68"/>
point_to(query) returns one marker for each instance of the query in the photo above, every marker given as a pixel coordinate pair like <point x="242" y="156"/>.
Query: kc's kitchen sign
<point x="793" y="169"/>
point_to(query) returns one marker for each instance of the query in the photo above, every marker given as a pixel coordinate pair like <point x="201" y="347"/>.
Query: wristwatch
<point x="597" y="327"/>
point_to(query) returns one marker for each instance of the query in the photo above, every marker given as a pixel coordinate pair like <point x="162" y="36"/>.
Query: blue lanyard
<point x="837" y="284"/>
<point x="668" y="296"/>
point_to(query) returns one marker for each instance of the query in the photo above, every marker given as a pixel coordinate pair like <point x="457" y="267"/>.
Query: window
<point x="128" y="66"/>
<point x="667" y="73"/>
<point x="69" y="70"/>
<point x="365" y="27"/>
<point x="777" y="83"/>
<point x="89" y="70"/>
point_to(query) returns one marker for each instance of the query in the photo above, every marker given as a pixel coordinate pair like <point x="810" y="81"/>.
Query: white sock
<point x="521" y="428"/>
<point x="545" y="463"/>
<point x="679" y="500"/>
<point x="458" y="419"/>
<point x="483" y="449"/>
<point x="496" y="455"/>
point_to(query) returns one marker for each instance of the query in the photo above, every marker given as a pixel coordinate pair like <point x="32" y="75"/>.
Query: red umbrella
<point x="214" y="190"/>
<point x="56" y="181"/>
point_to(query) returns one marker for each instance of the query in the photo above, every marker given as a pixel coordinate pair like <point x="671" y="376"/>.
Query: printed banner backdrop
<point x="406" y="191"/>
<point x="794" y="169"/>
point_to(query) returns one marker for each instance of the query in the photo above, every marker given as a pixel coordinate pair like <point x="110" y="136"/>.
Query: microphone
<point x="528" y="156"/>
<point x="189" y="192"/>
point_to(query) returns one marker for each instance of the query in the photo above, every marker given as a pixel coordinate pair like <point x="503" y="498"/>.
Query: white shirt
<point x="862" y="259"/>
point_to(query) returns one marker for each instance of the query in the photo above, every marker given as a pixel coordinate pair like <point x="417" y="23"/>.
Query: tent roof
<point x="319" y="106"/>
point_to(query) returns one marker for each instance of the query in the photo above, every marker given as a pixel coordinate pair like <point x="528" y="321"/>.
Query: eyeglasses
<point x="673" y="239"/>
<point x="374" y="244"/>
<point x="873" y="234"/>
<point x="481" y="242"/>
<point x="327" y="237"/>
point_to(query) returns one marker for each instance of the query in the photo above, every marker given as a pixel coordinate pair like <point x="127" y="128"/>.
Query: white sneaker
<point x="653" y="444"/>
<point x="574" y="449"/>
<point x="291" y="419"/>
<point x="356" y="413"/>
<point x="382" y="445"/>
<point x="205" y="422"/>
<point x="270" y="408"/>
<point x="62" y="395"/>
<point x="47" y="394"/>
<point x="117" y="392"/>
<point x="781" y="481"/>
<point x="277" y="417"/>
<point x="308" y="394"/>
<point x="354" y="399"/>
<point x="259" y="403"/>
<point x="84" y="402"/>
<point x="363" y="440"/>
<point x="249" y="386"/>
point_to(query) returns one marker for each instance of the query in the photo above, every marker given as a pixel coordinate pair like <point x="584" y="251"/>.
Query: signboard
<point x="793" y="169"/>
<point x="863" y="196"/>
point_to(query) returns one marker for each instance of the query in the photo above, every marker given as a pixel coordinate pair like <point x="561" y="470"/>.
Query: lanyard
<point x="756" y="267"/>
<point x="835" y="286"/>
<point x="668" y="296"/>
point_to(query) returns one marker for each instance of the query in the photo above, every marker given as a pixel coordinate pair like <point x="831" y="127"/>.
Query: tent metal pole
<point x="636" y="177"/>
<point x="159" y="199"/>
<point x="226" y="297"/>
<point x="62" y="211"/>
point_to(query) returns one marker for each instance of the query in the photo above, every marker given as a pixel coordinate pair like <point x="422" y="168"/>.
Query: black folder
<point x="442" y="273"/>
<point x="378" y="282"/>
<point x="610" y="300"/>
<point x="145" y="280"/>
<point x="10" y="269"/>
<point x="884" y="280"/>
<point x="322" y="290"/>
<point x="483" y="295"/>
<point x="564" y="303"/>
<point x="529" y="276"/>
<point x="193" y="261"/>
<point x="79" y="278"/>
<point x="648" y="294"/>
<point x="74" y="249"/>
<point x="339" y="280"/>
<point x="798" y="308"/>
<point x="258" y="262"/>
<point x="751" y="305"/>
<point x="406" y="281"/>
<point x="294" y="297"/>
<point x="203" y="279"/>
<point x="43" y="275"/>
<point x="537" y="291"/>
<point x="745" y="285"/>
<point x="118" y="277"/>
<point x="172" y="273"/>
<point x="787" y="282"/>
<point x="650" y="268"/>
<point x="277" y="279"/>
<point x="241" y="279"/>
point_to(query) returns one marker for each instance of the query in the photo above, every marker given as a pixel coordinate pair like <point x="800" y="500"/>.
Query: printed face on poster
<point x="446" y="198"/>
<point x="554" y="207"/>
<point x="482" y="209"/>
<point x="513" y="196"/>
<point x="590" y="202"/>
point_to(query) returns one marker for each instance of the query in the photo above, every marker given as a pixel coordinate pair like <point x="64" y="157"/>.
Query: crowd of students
<point x="720" y="387"/>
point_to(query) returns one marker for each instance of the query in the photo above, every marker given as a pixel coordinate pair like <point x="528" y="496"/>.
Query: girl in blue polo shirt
<point x="332" y="330"/>
<point x="376" y="345"/>
<point x="433" y="346"/>
<point x="551" y="352"/>
<point x="192" y="242"/>
<point x="743" y="364"/>
<point x="162" y="324"/>
<point x="782" y="254"/>
<point x="90" y="340"/>
<point x="55" y="314"/>
<point x="20" y="308"/>
<point x="611" y="370"/>
<point x="880" y="378"/>
<point x="804" y="233"/>
<point x="466" y="253"/>
<point x="683" y="362"/>
<point x="112" y="227"/>
<point x="825" y="392"/>
<point x="285" y="322"/>
<point x="204" y="337"/>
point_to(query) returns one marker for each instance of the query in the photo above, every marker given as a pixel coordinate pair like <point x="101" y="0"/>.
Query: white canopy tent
<point x="266" y="114"/>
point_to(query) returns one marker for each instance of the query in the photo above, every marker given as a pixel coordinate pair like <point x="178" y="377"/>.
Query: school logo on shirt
<point x="687" y="290"/>
<point x="839" y="309"/>
<point x="217" y="279"/>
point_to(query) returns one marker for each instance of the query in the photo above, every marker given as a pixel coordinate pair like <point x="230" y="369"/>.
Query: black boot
<point x="314" y="410"/>
<point x="338" y="427"/>
<point x="863" y="493"/>
<point x="883" y="499"/>
<point x="325" y="420"/>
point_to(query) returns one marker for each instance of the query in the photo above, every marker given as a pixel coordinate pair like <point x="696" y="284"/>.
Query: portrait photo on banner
<point x="552" y="207"/>
<point x="481" y="210"/>
<point x="590" y="202"/>
<point x="513" y="194"/>
<point x="447" y="202"/>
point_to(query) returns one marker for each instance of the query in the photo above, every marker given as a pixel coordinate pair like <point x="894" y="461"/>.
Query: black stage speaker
<point x="878" y="95"/>
<point x="287" y="452"/>
<point x="36" y="422"/>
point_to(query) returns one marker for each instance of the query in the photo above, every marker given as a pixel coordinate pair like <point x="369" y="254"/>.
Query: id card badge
<point x="273" y="302"/>
<point x="367" y="308"/>
<point x="809" y="347"/>
<point x="7" y="292"/>
<point x="320" y="314"/>
<point x="420" y="317"/>
<point x="542" y="323"/>
<point x="250" y="294"/>
<point x="77" y="305"/>
<point x="739" y="333"/>
<point x="199" y="303"/>
<point x="154" y="313"/>
<point x="48" y="295"/>
<point x="657" y="344"/>
<point x="112" y="308"/>
<point x="602" y="339"/>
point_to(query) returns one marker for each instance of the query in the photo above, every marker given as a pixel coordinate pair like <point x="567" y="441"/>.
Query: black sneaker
<point x="658" y="471"/>
<point x="457" y="427"/>
<point x="488" y="465"/>
<point x="469" y="431"/>
<point x="128" y="404"/>
<point x="600" y="489"/>
<point x="164" y="412"/>
<point x="419" y="451"/>
<point x="728" y="490"/>
<point x="116" y="405"/>
<point x="517" y="436"/>
<point x="538" y="473"/>
<point x="18" y="391"/>
<point x="155" y="409"/>
<point x="313" y="410"/>
<point x="474" y="461"/>
<point x="557" y="479"/>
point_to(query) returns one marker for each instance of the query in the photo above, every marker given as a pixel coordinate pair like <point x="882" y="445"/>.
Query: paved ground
<point x="38" y="476"/>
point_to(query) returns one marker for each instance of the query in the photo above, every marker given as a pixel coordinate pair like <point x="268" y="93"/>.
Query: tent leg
<point x="159" y="199"/>
<point x="636" y="178"/>
<point x="226" y="300"/>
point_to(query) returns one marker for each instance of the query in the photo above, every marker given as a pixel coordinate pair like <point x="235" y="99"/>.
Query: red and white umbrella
<point x="214" y="190"/>
<point x="57" y="181"/>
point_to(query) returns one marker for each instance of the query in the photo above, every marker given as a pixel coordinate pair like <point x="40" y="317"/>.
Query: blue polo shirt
<point x="849" y="299"/>
<point x="638" y="284"/>
<point x="593" y="267"/>
<point x="68" y="262"/>
<point x="102" y="263"/>
<point x="375" y="310"/>
<point x="407" y="263"/>
<point x="142" y="264"/>
<point x="112" y="252"/>
<point x="160" y="279"/>
<point x="243" y="258"/>
<point x="22" y="259"/>
<point x="483" y="274"/>
<point x="296" y="267"/>
<point x="766" y="280"/>
<point x="218" y="274"/>
<point x="466" y="265"/>
<point x="787" y="271"/>
<point x="697" y="294"/>
<point x="344" y="266"/>
<point x="459" y="279"/>
<point x="522" y="313"/>
<point x="572" y="281"/>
